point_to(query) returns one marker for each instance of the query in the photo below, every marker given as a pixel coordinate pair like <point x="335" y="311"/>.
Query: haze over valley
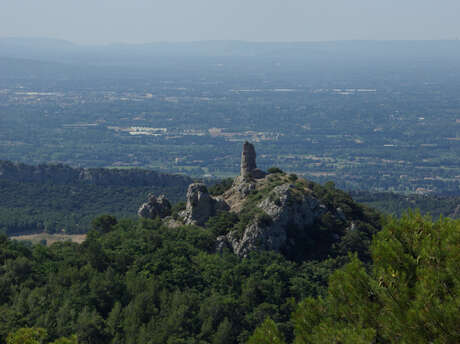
<point x="378" y="116"/>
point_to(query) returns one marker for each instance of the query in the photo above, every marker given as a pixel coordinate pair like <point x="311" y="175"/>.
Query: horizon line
<point x="221" y="41"/>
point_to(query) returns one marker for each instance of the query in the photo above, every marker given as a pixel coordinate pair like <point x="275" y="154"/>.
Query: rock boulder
<point x="155" y="207"/>
<point x="200" y="205"/>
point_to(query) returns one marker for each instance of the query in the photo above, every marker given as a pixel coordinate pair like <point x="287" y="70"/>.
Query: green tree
<point x="104" y="223"/>
<point x="223" y="334"/>
<point x="267" y="333"/>
<point x="410" y="295"/>
<point x="90" y="327"/>
<point x="66" y="340"/>
<point x="27" y="335"/>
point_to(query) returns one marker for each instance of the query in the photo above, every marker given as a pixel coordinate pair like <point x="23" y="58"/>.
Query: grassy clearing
<point x="50" y="238"/>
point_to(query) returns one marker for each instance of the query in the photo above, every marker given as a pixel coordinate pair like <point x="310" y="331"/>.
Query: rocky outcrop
<point x="155" y="207"/>
<point x="246" y="182"/>
<point x="200" y="205"/>
<point x="276" y="212"/>
<point x="248" y="165"/>
<point x="236" y="196"/>
<point x="282" y="212"/>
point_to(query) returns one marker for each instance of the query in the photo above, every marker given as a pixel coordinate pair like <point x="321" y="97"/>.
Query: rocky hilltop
<point x="277" y="211"/>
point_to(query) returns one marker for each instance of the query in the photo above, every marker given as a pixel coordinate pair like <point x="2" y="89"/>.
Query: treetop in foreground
<point x="411" y="293"/>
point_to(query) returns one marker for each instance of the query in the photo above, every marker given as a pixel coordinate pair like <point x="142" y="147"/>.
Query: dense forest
<point x="409" y="294"/>
<point x="398" y="204"/>
<point x="140" y="282"/>
<point x="58" y="198"/>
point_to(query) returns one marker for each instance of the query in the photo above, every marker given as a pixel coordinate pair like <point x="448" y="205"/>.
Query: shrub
<point x="176" y="208"/>
<point x="293" y="177"/>
<point x="273" y="170"/>
<point x="220" y="187"/>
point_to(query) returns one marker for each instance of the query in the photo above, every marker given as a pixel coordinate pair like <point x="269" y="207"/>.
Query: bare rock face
<point x="248" y="163"/>
<point x="284" y="209"/>
<point x="200" y="205"/>
<point x="235" y="197"/>
<point x="155" y="207"/>
<point x="456" y="213"/>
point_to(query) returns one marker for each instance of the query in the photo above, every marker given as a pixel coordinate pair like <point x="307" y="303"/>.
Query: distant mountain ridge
<point x="60" y="198"/>
<point x="47" y="49"/>
<point x="63" y="174"/>
<point x="398" y="204"/>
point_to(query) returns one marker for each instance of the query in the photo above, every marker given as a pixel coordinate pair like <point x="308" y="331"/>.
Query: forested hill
<point x="143" y="282"/>
<point x="215" y="274"/>
<point x="53" y="198"/>
<point x="163" y="281"/>
<point x="63" y="174"/>
<point x="397" y="204"/>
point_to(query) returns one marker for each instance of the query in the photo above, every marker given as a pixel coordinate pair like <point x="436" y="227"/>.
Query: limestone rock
<point x="155" y="207"/>
<point x="222" y="243"/>
<point x="237" y="194"/>
<point x="248" y="163"/>
<point x="277" y="213"/>
<point x="284" y="208"/>
<point x="200" y="205"/>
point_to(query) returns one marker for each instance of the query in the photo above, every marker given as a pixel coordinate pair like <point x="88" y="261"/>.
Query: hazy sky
<point x="135" y="21"/>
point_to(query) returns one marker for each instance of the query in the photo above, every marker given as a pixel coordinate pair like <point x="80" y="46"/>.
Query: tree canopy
<point x="410" y="294"/>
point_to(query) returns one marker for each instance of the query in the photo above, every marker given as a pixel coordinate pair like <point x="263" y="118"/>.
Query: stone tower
<point x="248" y="160"/>
<point x="248" y="163"/>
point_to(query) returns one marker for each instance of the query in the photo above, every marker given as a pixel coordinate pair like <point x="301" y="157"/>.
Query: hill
<point x="209" y="272"/>
<point x="248" y="259"/>
<point x="56" y="198"/>
<point x="397" y="204"/>
<point x="274" y="211"/>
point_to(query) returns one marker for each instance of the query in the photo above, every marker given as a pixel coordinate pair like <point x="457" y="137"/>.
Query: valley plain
<point x="330" y="111"/>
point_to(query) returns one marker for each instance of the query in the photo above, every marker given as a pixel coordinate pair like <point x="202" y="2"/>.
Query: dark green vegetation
<point x="391" y="203"/>
<point x="36" y="335"/>
<point x="410" y="293"/>
<point x="53" y="198"/>
<point x="376" y="116"/>
<point x="138" y="281"/>
<point x="220" y="187"/>
<point x="143" y="283"/>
